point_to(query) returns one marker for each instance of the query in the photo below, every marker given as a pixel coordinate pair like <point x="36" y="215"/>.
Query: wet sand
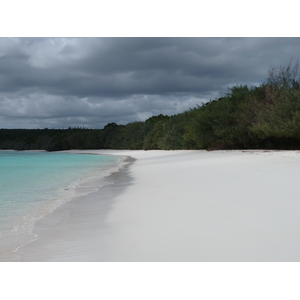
<point x="181" y="206"/>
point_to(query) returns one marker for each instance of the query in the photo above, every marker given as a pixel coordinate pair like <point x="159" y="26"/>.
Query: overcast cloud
<point x="62" y="82"/>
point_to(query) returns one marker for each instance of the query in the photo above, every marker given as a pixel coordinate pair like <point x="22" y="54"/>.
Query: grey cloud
<point x="93" y="81"/>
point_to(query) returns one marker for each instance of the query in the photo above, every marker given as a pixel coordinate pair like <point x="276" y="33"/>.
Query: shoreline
<point x="91" y="183"/>
<point x="181" y="205"/>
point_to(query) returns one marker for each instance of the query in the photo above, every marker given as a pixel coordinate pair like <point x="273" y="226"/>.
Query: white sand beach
<point x="192" y="206"/>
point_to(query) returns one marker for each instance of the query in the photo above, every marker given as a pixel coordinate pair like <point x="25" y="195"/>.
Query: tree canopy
<point x="259" y="117"/>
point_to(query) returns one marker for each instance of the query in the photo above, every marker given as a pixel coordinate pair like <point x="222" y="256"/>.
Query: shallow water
<point x="34" y="183"/>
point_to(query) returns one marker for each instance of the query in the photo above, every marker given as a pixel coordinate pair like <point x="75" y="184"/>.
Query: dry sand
<point x="181" y="206"/>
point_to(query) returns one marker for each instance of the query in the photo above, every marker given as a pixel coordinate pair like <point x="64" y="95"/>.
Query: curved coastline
<point x="182" y="205"/>
<point x="85" y="192"/>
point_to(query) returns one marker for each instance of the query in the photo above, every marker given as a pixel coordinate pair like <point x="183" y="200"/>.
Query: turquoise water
<point x="33" y="184"/>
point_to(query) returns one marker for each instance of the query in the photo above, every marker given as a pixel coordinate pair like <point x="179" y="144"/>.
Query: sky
<point x="89" y="82"/>
<point x="61" y="82"/>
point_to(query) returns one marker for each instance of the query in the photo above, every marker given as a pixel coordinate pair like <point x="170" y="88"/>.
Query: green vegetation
<point x="260" y="117"/>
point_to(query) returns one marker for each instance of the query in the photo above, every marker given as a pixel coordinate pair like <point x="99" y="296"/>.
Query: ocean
<point x="34" y="183"/>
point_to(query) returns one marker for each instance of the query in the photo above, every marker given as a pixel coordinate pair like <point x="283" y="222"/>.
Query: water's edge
<point x="113" y="184"/>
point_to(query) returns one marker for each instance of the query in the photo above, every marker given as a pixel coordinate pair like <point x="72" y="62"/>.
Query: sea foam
<point x="34" y="183"/>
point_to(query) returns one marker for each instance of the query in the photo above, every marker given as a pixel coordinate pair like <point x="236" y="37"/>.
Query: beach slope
<point x="183" y="206"/>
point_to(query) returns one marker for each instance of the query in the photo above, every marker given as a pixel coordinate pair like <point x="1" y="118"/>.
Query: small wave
<point x="21" y="231"/>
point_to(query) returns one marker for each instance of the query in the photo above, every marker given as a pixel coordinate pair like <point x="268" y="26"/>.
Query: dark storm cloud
<point x="60" y="82"/>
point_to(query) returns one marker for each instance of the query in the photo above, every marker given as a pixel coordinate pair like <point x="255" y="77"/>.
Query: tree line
<point x="266" y="116"/>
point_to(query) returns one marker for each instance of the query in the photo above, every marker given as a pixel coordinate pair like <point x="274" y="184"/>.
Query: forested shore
<point x="259" y="117"/>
